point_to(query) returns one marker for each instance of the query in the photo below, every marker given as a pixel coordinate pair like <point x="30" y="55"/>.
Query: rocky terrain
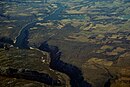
<point x="25" y="68"/>
<point x="86" y="43"/>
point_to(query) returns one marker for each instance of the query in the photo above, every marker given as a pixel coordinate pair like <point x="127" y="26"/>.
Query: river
<point x="22" y="38"/>
<point x="75" y="74"/>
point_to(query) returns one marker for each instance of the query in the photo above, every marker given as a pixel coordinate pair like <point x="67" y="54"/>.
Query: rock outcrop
<point x="6" y="40"/>
<point x="29" y="75"/>
<point x="76" y="77"/>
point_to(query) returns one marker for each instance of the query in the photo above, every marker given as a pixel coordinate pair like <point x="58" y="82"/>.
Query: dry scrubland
<point x="92" y="35"/>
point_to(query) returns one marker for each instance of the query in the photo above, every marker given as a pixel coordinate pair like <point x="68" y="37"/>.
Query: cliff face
<point x="27" y="69"/>
<point x="75" y="74"/>
<point x="29" y="75"/>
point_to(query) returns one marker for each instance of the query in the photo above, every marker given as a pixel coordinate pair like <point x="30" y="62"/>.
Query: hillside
<point x="80" y="42"/>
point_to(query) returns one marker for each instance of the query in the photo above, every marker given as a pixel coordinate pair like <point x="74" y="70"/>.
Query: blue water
<point x="22" y="39"/>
